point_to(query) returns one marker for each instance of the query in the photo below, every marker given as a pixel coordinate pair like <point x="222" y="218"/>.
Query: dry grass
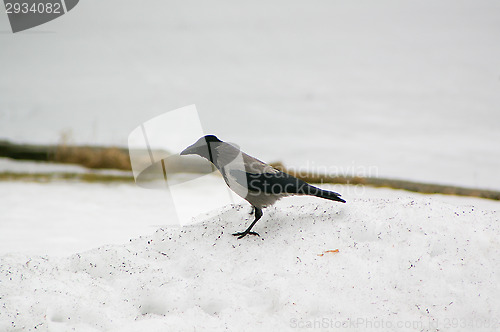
<point x="118" y="158"/>
<point x="425" y="188"/>
<point x="96" y="158"/>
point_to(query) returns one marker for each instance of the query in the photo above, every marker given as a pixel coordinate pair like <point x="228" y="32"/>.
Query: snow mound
<point x="372" y="263"/>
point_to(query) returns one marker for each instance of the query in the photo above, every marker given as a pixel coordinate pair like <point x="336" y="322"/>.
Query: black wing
<point x="270" y="183"/>
<point x="280" y="183"/>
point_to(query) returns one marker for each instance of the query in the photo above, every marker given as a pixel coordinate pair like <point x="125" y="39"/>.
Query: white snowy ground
<point x="404" y="261"/>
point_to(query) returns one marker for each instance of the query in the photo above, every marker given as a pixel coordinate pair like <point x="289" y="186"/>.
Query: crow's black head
<point x="211" y="138"/>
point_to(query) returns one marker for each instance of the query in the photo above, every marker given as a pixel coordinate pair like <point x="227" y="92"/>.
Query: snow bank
<point x="401" y="264"/>
<point x="63" y="217"/>
<point x="38" y="167"/>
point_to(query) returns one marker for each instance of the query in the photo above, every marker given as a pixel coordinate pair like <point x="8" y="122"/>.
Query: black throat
<point x="210" y="153"/>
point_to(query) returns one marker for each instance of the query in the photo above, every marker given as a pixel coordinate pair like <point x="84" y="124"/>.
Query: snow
<point x="418" y="260"/>
<point x="58" y="218"/>
<point x="407" y="90"/>
<point x="34" y="167"/>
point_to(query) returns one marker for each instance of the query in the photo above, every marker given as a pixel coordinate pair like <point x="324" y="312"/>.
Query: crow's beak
<point x="192" y="149"/>
<point x="200" y="148"/>
<point x="186" y="151"/>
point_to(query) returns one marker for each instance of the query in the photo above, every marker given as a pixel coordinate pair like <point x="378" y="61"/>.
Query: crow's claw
<point x="243" y="234"/>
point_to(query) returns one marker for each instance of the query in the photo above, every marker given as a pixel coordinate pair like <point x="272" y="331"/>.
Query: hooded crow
<point x="255" y="181"/>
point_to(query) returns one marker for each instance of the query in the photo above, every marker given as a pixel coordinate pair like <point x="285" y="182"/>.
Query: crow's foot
<point x="243" y="234"/>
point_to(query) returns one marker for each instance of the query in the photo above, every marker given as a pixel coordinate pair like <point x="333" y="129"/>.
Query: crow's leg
<point x="258" y="214"/>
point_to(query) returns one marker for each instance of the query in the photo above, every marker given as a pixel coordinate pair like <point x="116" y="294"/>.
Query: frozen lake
<point x="409" y="88"/>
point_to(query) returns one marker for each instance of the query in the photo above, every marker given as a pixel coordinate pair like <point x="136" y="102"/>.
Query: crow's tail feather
<point x="314" y="191"/>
